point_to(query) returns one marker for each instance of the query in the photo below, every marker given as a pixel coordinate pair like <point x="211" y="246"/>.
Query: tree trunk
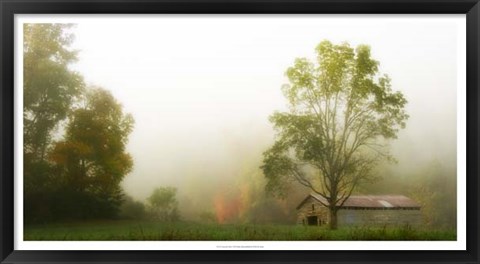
<point x="333" y="218"/>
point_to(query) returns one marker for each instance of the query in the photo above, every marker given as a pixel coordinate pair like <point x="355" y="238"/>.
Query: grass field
<point x="148" y="230"/>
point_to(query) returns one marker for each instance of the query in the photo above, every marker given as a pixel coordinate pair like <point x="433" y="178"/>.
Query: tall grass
<point x="182" y="231"/>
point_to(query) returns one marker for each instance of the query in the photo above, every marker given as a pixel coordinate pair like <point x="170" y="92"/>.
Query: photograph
<point x="242" y="128"/>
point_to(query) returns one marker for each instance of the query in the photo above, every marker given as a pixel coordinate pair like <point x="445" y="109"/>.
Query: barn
<point x="362" y="210"/>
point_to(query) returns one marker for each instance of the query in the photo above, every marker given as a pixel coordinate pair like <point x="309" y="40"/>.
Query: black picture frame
<point x="9" y="8"/>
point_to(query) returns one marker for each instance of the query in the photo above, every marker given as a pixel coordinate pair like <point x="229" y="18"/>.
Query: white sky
<point x="195" y="83"/>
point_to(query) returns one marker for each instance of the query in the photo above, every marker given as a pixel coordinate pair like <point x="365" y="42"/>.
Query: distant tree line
<point x="74" y="136"/>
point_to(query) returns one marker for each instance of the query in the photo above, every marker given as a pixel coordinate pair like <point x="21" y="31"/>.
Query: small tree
<point x="341" y="115"/>
<point x="163" y="204"/>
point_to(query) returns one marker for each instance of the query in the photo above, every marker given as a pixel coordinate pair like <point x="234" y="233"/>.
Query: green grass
<point x="149" y="230"/>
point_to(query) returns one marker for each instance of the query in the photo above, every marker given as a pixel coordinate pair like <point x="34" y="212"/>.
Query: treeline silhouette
<point x="74" y="136"/>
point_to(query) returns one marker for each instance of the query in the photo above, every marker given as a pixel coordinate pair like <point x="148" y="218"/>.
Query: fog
<point x="201" y="88"/>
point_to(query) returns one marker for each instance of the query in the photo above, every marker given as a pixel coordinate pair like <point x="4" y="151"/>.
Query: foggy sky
<point x="201" y="88"/>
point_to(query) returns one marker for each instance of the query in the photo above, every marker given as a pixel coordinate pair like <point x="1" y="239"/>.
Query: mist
<point x="201" y="89"/>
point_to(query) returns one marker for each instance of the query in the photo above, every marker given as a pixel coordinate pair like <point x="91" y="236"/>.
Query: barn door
<point x="312" y="220"/>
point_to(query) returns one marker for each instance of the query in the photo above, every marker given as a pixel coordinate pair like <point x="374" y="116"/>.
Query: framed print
<point x="252" y="131"/>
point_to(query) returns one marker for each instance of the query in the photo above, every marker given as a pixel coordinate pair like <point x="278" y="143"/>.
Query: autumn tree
<point x="163" y="204"/>
<point x="92" y="160"/>
<point x="342" y="114"/>
<point x="49" y="89"/>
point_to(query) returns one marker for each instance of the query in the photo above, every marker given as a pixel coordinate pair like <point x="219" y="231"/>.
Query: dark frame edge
<point x="9" y="255"/>
<point x="6" y="133"/>
<point x="473" y="114"/>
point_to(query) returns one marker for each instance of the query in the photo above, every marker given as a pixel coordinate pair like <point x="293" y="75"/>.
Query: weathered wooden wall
<point x="389" y="217"/>
<point x="360" y="217"/>
<point x="306" y="210"/>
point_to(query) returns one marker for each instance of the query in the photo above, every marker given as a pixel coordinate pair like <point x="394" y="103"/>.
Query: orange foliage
<point x="226" y="209"/>
<point x="231" y="208"/>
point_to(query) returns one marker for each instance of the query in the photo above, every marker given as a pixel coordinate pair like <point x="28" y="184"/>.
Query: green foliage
<point x="131" y="209"/>
<point x="158" y="231"/>
<point x="163" y="204"/>
<point x="38" y="185"/>
<point x="50" y="87"/>
<point x="341" y="115"/>
<point x="207" y="217"/>
<point x="436" y="191"/>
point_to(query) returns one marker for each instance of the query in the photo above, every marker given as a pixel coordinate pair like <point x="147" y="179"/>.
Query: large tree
<point x="50" y="87"/>
<point x="92" y="160"/>
<point x="342" y="114"/>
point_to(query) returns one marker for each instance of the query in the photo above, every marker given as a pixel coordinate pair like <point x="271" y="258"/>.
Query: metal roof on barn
<point x="371" y="201"/>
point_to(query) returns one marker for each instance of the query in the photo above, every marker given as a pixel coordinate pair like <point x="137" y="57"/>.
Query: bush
<point x="131" y="209"/>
